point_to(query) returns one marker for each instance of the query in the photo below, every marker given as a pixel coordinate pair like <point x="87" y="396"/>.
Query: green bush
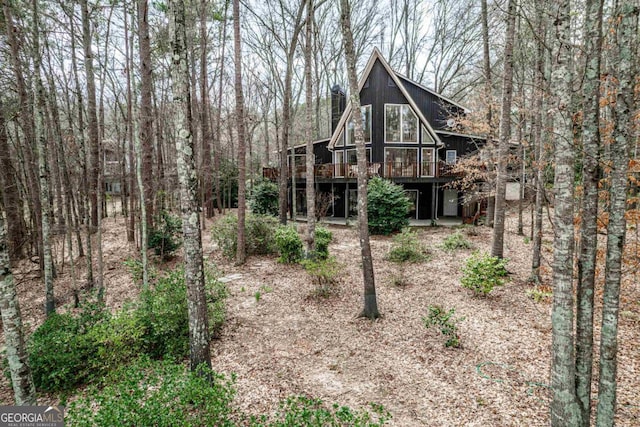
<point x="387" y="207"/>
<point x="323" y="238"/>
<point x="156" y="393"/>
<point x="259" y="234"/>
<point x="407" y="248"/>
<point x="61" y="351"/>
<point x="483" y="272"/>
<point x="264" y="198"/>
<point x="289" y="244"/>
<point x="456" y="241"/>
<point x="444" y="320"/>
<point x="164" y="238"/>
<point x="324" y="274"/>
<point x="163" y="312"/>
<point x="310" y="412"/>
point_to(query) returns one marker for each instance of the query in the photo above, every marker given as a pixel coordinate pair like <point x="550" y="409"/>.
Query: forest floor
<point x="288" y="342"/>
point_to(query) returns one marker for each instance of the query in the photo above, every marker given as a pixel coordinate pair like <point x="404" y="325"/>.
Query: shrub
<point x="388" y="206"/>
<point x="156" y="393"/>
<point x="456" y="241"/>
<point x="264" y="198"/>
<point x="164" y="238"/>
<point x="407" y="247"/>
<point x="323" y="273"/>
<point x="483" y="272"/>
<point x="541" y="293"/>
<point x="61" y="351"/>
<point x="259" y="234"/>
<point x="289" y="244"/>
<point x="305" y="411"/>
<point x="444" y="320"/>
<point x="323" y="238"/>
<point x="163" y="312"/>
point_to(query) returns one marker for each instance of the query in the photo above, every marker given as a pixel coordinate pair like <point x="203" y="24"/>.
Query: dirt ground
<point x="286" y="342"/>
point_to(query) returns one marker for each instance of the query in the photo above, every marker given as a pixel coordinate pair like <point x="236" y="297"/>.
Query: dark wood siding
<point x="462" y="144"/>
<point x="435" y="109"/>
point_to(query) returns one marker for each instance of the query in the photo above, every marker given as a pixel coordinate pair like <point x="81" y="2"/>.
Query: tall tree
<point x="497" y="247"/>
<point x="205" y="123"/>
<point x="564" y="405"/>
<point x="193" y="263"/>
<point x="310" y="158"/>
<point x="625" y="18"/>
<point x="370" y="309"/>
<point x="23" y="387"/>
<point x="43" y="172"/>
<point x="146" y="109"/>
<point x="589" y="212"/>
<point x="92" y="115"/>
<point x="241" y="252"/>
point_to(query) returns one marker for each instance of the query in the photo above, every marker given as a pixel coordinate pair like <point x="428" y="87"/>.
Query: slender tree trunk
<point x="310" y="157"/>
<point x="11" y="196"/>
<point x="193" y="263"/>
<point x="218" y="144"/>
<point x="241" y="253"/>
<point x="370" y="302"/>
<point x="564" y="406"/>
<point x="207" y="193"/>
<point x="41" y="144"/>
<point x="21" y="379"/>
<point x="537" y="137"/>
<point x="488" y="92"/>
<point x="626" y="15"/>
<point x="589" y="215"/>
<point x="146" y="109"/>
<point x="92" y="116"/>
<point x="131" y="225"/>
<point x="497" y="247"/>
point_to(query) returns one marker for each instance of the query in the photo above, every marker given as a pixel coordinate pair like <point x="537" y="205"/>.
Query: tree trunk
<point x="497" y="247"/>
<point x="626" y="15"/>
<point x="207" y="193"/>
<point x="146" y="109"/>
<point x="539" y="146"/>
<point x="11" y="196"/>
<point x="589" y="215"/>
<point x="241" y="252"/>
<point x="21" y="379"/>
<point x="131" y="225"/>
<point x="218" y="144"/>
<point x="310" y="157"/>
<point x="92" y="116"/>
<point x="564" y="405"/>
<point x="370" y="302"/>
<point x="193" y="263"/>
<point x="41" y="144"/>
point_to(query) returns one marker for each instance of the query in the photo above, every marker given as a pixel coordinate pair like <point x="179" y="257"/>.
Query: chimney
<point x="338" y="104"/>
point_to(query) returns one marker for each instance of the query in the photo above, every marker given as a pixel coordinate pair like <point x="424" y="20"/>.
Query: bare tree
<point x="310" y="157"/>
<point x="370" y="309"/>
<point x="241" y="252"/>
<point x="625" y="27"/>
<point x="193" y="263"/>
<point x="23" y="387"/>
<point x="564" y="405"/>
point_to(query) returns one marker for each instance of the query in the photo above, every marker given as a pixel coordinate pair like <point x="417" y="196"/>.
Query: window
<point x="451" y="157"/>
<point x="366" y="125"/>
<point x="352" y="158"/>
<point x="340" y="140"/>
<point x="426" y="136"/>
<point x="428" y="162"/>
<point x="401" y="162"/>
<point x="400" y="123"/>
<point x="338" y="158"/>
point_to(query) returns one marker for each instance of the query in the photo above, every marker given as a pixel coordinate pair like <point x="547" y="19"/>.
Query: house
<point x="411" y="138"/>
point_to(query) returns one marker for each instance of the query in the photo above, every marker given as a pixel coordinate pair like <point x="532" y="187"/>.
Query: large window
<point x="428" y="162"/>
<point x="366" y="125"/>
<point x="400" y="124"/>
<point x="401" y="162"/>
<point x="338" y="159"/>
<point x="352" y="158"/>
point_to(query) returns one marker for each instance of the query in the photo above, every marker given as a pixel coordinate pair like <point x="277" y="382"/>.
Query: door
<point x="450" y="206"/>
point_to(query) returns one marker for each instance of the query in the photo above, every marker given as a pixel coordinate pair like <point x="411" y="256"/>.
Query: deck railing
<point x="438" y="169"/>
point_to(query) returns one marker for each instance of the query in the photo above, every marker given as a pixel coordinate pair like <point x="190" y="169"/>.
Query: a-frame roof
<point x="397" y="79"/>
